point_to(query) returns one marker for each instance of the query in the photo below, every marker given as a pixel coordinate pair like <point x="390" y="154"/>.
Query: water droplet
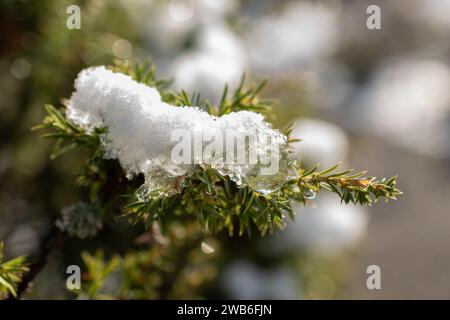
<point x="206" y="248"/>
<point x="309" y="194"/>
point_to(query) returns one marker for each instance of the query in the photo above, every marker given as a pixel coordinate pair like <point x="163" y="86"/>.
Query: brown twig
<point x="53" y="243"/>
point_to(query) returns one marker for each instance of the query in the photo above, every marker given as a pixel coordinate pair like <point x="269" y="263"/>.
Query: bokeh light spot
<point x="20" y="69"/>
<point x="122" y="49"/>
<point x="181" y="10"/>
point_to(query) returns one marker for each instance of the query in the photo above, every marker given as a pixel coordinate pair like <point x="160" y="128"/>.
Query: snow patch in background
<point x="408" y="102"/>
<point x="326" y="227"/>
<point x="322" y="142"/>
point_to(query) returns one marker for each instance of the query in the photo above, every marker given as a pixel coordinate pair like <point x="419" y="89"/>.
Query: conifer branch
<point x="349" y="186"/>
<point x="11" y="273"/>
<point x="214" y="200"/>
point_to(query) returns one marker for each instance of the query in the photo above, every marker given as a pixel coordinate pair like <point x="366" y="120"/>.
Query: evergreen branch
<point x="98" y="271"/>
<point x="214" y="200"/>
<point x="243" y="99"/>
<point x="207" y="199"/>
<point x="66" y="134"/>
<point x="52" y="244"/>
<point x="11" y="273"/>
<point x="161" y="266"/>
<point x="217" y="203"/>
<point x="349" y="186"/>
<point x="141" y="72"/>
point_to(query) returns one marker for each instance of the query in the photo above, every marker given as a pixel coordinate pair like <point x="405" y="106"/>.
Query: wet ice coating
<point x="165" y="142"/>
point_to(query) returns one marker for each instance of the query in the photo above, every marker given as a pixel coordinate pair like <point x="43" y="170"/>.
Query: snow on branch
<point x="165" y="142"/>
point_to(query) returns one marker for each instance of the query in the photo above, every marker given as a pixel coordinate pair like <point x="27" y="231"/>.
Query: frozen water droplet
<point x="266" y="184"/>
<point x="309" y="194"/>
<point x="206" y="248"/>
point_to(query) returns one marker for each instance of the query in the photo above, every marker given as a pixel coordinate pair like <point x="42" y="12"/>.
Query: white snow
<point x="140" y="127"/>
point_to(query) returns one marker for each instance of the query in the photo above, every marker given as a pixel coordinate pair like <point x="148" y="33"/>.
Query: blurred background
<point x="375" y="99"/>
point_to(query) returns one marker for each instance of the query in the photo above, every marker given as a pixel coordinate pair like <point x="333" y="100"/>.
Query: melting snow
<point x="140" y="129"/>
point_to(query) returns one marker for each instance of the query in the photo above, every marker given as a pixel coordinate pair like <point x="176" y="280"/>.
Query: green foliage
<point x="67" y="135"/>
<point x="167" y="266"/>
<point x="98" y="270"/>
<point x="11" y="273"/>
<point x="349" y="186"/>
<point x="141" y="72"/>
<point x="215" y="201"/>
<point x="243" y="99"/>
